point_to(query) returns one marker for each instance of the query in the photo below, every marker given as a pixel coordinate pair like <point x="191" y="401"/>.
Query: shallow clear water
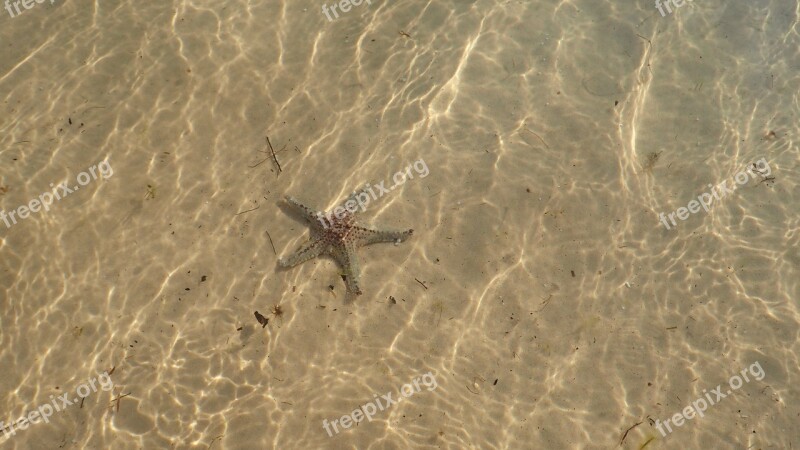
<point x="542" y="301"/>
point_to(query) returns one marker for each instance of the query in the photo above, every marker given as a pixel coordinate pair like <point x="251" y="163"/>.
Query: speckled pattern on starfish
<point x="338" y="238"/>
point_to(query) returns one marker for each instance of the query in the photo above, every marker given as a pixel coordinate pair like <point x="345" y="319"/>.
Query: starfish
<point x="338" y="238"/>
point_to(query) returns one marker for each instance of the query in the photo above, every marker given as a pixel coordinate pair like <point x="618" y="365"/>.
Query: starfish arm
<point x="307" y="213"/>
<point x="310" y="249"/>
<point x="346" y="256"/>
<point x="366" y="236"/>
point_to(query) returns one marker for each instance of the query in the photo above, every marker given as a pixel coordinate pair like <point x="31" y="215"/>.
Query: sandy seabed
<point x="540" y="302"/>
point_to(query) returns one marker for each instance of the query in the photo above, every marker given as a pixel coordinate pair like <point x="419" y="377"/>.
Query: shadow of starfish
<point x="338" y="237"/>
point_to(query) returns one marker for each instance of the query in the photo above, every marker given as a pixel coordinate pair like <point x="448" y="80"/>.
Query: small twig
<point x="117" y="400"/>
<point x="540" y="138"/>
<point x="626" y="432"/>
<point x="247" y="211"/>
<point x="271" y="244"/>
<point x="214" y="440"/>
<point x="273" y="155"/>
<point x="423" y="284"/>
<point x="767" y="179"/>
<point x="545" y="303"/>
<point x="258" y="164"/>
